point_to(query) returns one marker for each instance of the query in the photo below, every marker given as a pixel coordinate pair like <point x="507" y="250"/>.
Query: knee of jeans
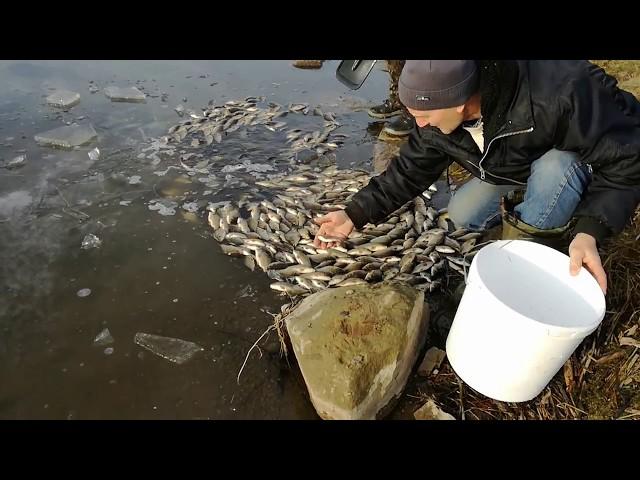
<point x="555" y="163"/>
<point x="459" y="215"/>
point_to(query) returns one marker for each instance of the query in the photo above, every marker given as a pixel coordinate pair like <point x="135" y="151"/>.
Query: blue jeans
<point x="554" y="190"/>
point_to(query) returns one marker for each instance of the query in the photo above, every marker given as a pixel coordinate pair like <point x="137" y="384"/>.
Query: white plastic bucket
<point x="521" y="317"/>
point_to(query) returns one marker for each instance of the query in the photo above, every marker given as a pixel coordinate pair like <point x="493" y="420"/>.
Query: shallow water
<point x="162" y="275"/>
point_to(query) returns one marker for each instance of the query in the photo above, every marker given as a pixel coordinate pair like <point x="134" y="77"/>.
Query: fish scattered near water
<point x="415" y="244"/>
<point x="212" y="126"/>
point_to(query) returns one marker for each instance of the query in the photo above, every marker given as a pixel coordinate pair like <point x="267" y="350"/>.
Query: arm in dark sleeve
<point x="417" y="167"/>
<point x="601" y="123"/>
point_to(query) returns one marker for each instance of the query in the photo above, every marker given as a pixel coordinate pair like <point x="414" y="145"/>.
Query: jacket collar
<point x="505" y="97"/>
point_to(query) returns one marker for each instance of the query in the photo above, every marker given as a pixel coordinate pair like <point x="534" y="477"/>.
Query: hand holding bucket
<point x="521" y="317"/>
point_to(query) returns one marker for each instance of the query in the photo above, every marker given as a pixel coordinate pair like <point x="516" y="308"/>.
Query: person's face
<point x="444" y="119"/>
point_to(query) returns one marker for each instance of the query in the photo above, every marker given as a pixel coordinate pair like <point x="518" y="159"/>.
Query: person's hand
<point x="335" y="227"/>
<point x="583" y="251"/>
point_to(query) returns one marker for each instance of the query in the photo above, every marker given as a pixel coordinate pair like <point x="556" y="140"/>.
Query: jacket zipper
<point x="482" y="171"/>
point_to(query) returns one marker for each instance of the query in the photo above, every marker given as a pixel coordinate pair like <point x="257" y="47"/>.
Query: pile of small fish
<point x="215" y="122"/>
<point x="415" y="244"/>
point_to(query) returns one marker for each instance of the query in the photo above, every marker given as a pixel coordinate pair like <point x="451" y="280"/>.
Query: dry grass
<point x="625" y="71"/>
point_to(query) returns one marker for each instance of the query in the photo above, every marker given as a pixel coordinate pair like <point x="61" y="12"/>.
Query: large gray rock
<point x="357" y="345"/>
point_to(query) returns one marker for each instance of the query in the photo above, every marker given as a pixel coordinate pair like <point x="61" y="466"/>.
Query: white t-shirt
<point x="476" y="134"/>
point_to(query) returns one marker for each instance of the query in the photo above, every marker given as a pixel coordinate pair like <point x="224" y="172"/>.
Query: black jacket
<point x="528" y="108"/>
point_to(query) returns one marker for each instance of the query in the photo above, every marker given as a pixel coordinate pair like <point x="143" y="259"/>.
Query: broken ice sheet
<point x="172" y="349"/>
<point x="164" y="207"/>
<point x="103" y="338"/>
<point x="124" y="94"/>
<point x="94" y="154"/>
<point x="91" y="241"/>
<point x="231" y="168"/>
<point x="63" y="98"/>
<point x="67" y="137"/>
<point x="190" y="207"/>
<point x="211" y="181"/>
<point x="17" y="162"/>
<point x="162" y="173"/>
<point x="246" y="291"/>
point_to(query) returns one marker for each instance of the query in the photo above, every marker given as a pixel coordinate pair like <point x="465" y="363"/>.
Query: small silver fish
<point x="263" y="259"/>
<point x="288" y="288"/>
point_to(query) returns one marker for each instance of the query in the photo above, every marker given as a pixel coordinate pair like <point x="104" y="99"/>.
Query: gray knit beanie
<point x="436" y="84"/>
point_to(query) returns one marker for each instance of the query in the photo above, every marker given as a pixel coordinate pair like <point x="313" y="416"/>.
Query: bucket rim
<point x="552" y="330"/>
